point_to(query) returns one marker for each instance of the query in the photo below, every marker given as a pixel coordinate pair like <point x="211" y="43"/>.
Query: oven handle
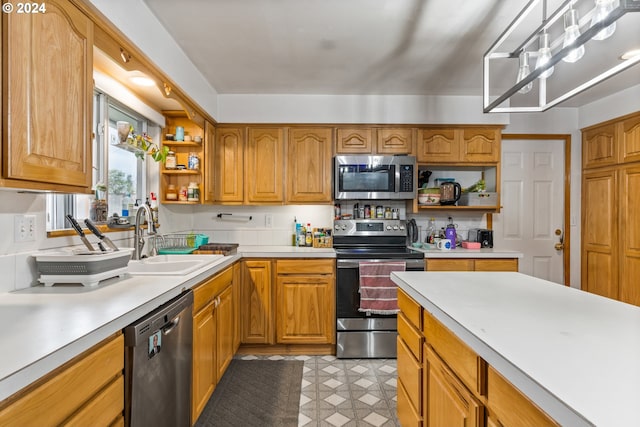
<point x="412" y="264"/>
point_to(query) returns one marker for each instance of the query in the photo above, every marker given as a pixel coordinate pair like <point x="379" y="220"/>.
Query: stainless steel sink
<point x="171" y="265"/>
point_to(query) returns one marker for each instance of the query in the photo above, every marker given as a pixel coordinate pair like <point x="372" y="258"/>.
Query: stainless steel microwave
<point x="361" y="177"/>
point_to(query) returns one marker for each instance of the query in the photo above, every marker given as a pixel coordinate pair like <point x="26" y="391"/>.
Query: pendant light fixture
<point x="602" y="11"/>
<point x="523" y="71"/>
<point x="544" y="56"/>
<point x="555" y="35"/>
<point x="571" y="33"/>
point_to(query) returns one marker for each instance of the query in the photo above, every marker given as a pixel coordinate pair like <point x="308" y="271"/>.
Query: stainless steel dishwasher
<point x="158" y="366"/>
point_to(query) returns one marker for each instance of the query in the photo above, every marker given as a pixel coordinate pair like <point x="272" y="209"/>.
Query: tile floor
<point x="346" y="392"/>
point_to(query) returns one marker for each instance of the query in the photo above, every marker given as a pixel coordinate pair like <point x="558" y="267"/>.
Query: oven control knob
<point x="388" y="227"/>
<point x="337" y="227"/>
<point x="402" y="227"/>
<point x="395" y="227"/>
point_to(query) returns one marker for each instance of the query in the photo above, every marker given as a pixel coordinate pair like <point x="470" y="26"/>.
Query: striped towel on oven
<point x="378" y="294"/>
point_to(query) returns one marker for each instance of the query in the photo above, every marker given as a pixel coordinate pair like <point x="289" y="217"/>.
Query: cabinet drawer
<point x="206" y="291"/>
<point x="307" y="266"/>
<point x="410" y="374"/>
<point x="103" y="409"/>
<point x="510" y="407"/>
<point x="464" y="362"/>
<point x="449" y="264"/>
<point x="410" y="308"/>
<point x="407" y="413"/>
<point x="496" y="265"/>
<point x="61" y="393"/>
<point x="411" y="336"/>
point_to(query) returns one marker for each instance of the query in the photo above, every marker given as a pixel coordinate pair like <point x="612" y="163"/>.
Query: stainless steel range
<point x="364" y="333"/>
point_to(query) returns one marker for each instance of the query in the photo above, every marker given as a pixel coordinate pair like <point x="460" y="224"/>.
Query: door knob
<point x="559" y="246"/>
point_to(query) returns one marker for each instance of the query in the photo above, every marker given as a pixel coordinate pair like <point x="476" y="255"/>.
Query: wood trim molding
<point x="567" y="192"/>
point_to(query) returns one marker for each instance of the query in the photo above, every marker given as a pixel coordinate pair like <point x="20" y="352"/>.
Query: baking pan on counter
<point x="218" y="249"/>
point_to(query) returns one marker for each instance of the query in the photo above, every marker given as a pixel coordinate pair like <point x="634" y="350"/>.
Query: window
<point x="118" y="171"/>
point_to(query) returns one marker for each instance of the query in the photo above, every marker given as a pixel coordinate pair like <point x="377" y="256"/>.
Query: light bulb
<point x="544" y="56"/>
<point x="602" y="10"/>
<point x="523" y="72"/>
<point x="571" y="33"/>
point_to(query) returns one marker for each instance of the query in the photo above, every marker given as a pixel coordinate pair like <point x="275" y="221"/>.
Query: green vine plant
<point x="146" y="146"/>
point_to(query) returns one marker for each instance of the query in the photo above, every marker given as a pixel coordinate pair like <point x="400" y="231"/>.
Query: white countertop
<point x="45" y="327"/>
<point x="468" y="253"/>
<point x="575" y="354"/>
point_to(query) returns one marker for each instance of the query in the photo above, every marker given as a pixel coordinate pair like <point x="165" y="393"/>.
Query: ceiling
<point x="386" y="47"/>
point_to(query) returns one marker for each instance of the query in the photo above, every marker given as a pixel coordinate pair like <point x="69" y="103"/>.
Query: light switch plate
<point x="268" y="221"/>
<point x="24" y="228"/>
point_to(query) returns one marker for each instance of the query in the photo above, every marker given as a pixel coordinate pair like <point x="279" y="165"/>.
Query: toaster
<point x="481" y="235"/>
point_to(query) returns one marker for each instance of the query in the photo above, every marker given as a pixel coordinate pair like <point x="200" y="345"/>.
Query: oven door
<point x="348" y="285"/>
<point x="358" y="334"/>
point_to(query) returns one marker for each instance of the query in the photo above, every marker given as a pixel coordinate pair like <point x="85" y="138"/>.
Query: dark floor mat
<point x="256" y="393"/>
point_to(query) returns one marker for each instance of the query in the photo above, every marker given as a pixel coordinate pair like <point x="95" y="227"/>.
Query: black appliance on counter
<point x="359" y="334"/>
<point x="482" y="235"/>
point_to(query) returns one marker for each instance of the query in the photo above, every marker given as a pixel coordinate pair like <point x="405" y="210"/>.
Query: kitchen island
<point x="573" y="354"/>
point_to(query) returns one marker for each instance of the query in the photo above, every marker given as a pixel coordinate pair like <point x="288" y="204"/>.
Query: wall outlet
<point x="24" y="227"/>
<point x="268" y="220"/>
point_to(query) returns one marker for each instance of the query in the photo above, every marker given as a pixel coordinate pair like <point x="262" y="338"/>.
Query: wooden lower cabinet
<point x="214" y="325"/>
<point x="88" y="390"/>
<point x="256" y="301"/>
<point x="471" y="264"/>
<point x="446" y="383"/>
<point x="447" y="402"/>
<point x="509" y="407"/>
<point x="305" y="308"/>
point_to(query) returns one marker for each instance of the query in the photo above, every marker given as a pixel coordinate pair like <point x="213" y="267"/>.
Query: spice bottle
<point x="183" y="194"/>
<point x="170" y="162"/>
<point x="172" y="193"/>
<point x="193" y="192"/>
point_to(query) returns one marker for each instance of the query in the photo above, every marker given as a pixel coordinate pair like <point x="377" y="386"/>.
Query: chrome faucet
<point x="138" y="237"/>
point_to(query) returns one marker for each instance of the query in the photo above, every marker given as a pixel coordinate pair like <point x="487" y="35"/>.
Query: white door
<point x="532" y="197"/>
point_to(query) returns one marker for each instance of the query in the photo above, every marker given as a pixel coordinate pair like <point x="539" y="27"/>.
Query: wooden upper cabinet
<point x="228" y="165"/>
<point x="480" y="144"/>
<point x="309" y="165"/>
<point x="354" y="141"/>
<point x="630" y="139"/>
<point x="599" y="147"/>
<point x="48" y="89"/>
<point x="451" y="145"/>
<point x="395" y="141"/>
<point x="438" y="145"/>
<point x="208" y="187"/>
<point x="264" y="165"/>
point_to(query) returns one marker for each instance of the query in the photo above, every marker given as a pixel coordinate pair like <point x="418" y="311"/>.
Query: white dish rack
<point x="84" y="267"/>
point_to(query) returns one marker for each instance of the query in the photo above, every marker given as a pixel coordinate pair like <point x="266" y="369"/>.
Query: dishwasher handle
<point x="170" y="326"/>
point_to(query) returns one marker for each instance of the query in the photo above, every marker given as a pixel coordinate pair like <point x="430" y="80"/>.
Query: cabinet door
<point x="410" y="374"/>
<point x="264" y="165"/>
<point x="305" y="309"/>
<point x="600" y="233"/>
<point x="309" y="165"/>
<point x="395" y="141"/>
<point x="480" y="144"/>
<point x="228" y="165"/>
<point x="237" y="280"/>
<point x="599" y="146"/>
<point x="630" y="139"/>
<point x="438" y="145"/>
<point x="256" y="320"/>
<point x="496" y="265"/>
<point x="354" y="141"/>
<point x="629" y="232"/>
<point x="208" y="166"/>
<point x="48" y="89"/>
<point x="224" y="330"/>
<point x="447" y="402"/>
<point x="203" y="378"/>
